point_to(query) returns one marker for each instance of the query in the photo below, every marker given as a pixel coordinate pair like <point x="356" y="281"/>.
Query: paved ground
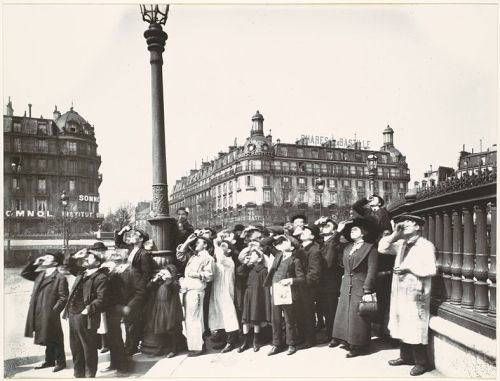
<point x="21" y="356"/>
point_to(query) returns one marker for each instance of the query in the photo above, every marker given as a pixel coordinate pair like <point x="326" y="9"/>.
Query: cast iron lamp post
<point x="319" y="186"/>
<point x="64" y="204"/>
<point x="163" y="226"/>
<point x="371" y="162"/>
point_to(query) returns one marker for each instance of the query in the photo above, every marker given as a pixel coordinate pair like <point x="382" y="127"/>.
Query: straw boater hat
<point x="365" y="223"/>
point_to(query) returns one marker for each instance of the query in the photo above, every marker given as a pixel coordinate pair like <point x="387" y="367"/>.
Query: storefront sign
<point x="28" y="213"/>
<point x="315" y="140"/>
<point x="83" y="214"/>
<point x="86" y="197"/>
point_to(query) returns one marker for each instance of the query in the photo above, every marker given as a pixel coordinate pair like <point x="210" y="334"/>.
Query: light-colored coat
<point x="222" y="313"/>
<point x="411" y="292"/>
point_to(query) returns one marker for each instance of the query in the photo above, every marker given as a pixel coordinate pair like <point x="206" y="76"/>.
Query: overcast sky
<point x="430" y="71"/>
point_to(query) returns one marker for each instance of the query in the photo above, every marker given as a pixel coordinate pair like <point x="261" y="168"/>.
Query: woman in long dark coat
<point x="359" y="260"/>
<point x="164" y="310"/>
<point x="257" y="299"/>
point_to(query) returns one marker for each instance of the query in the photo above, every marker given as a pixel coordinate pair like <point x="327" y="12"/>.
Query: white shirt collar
<point x="89" y="272"/>
<point x="49" y="271"/>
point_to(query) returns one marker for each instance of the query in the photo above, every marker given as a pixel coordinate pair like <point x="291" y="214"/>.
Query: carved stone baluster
<point x="492" y="311"/>
<point x="456" y="264"/>
<point x="481" y="267"/>
<point x="468" y="260"/>
<point x="432" y="229"/>
<point x="437" y="289"/>
<point x="447" y="248"/>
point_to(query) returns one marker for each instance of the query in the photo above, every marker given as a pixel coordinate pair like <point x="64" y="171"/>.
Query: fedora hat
<point x="367" y="224"/>
<point x="410" y="217"/>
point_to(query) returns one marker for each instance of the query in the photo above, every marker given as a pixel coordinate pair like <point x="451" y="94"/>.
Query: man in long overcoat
<point x="49" y="296"/>
<point x="415" y="266"/>
<point x="139" y="273"/>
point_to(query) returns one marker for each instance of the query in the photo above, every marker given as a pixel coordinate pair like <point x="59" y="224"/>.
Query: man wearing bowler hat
<point x="414" y="268"/>
<point x="49" y="296"/>
<point x="86" y="302"/>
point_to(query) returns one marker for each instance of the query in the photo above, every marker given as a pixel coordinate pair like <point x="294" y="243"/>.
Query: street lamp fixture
<point x="319" y="185"/>
<point x="371" y="163"/>
<point x="155" y="13"/>
<point x="64" y="204"/>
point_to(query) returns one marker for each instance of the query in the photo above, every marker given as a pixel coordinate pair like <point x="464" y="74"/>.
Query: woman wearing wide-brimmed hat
<point x="359" y="260"/>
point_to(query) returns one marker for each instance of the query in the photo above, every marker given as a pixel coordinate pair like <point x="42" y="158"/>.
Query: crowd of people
<point x="240" y="288"/>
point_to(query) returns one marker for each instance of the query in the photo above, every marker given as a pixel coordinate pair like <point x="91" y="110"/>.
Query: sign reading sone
<point x="86" y="197"/>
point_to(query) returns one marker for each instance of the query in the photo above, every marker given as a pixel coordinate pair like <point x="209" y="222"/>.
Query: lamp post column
<point x="163" y="225"/>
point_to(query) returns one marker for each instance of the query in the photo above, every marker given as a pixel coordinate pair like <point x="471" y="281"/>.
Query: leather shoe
<point x="398" y="361"/>
<point x="219" y="346"/>
<point x="334" y="343"/>
<point x="291" y="350"/>
<point x="59" y="367"/>
<point x="171" y="354"/>
<point x="275" y="350"/>
<point x="196" y="353"/>
<point x="305" y="345"/>
<point x="417" y="370"/>
<point x="353" y="353"/>
<point x="243" y="347"/>
<point x="228" y="348"/>
<point x="108" y="369"/>
<point x="44" y="365"/>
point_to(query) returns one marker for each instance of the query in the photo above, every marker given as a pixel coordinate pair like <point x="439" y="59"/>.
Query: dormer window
<point x="42" y="129"/>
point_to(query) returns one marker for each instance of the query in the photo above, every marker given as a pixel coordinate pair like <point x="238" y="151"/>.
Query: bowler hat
<point x="410" y="217"/>
<point x="98" y="246"/>
<point x="367" y="224"/>
<point x="58" y="257"/>
<point x="298" y="216"/>
<point x="238" y="227"/>
<point x="313" y="228"/>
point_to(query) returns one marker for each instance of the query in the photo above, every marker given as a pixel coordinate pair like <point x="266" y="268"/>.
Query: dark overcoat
<point x="331" y="272"/>
<point x="257" y="298"/>
<point x="48" y="299"/>
<point x="164" y="308"/>
<point x="95" y="296"/>
<point x="139" y="274"/>
<point x="360" y="271"/>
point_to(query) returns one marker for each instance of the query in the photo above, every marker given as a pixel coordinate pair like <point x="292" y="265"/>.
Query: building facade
<point x="42" y="158"/>
<point x="266" y="182"/>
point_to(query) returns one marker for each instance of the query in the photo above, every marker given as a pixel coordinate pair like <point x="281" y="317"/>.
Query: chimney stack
<point x="57" y="114"/>
<point x="10" y="110"/>
<point x="29" y="106"/>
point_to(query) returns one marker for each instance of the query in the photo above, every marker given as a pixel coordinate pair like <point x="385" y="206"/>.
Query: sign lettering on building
<point x="86" y="197"/>
<point x="316" y="140"/>
<point x="28" y="213"/>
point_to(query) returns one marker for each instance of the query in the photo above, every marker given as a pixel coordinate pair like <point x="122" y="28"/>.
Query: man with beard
<point x="85" y="304"/>
<point x="49" y="296"/>
<point x="331" y="274"/>
<point x="140" y="272"/>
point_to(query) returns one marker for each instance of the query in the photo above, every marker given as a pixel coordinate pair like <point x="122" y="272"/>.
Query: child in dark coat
<point x="257" y="299"/>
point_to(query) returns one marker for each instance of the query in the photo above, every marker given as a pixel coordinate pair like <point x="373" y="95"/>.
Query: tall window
<point x="42" y="185"/>
<point x="42" y="164"/>
<point x="284" y="150"/>
<point x="71" y="148"/>
<point x="302" y="197"/>
<point x="332" y="183"/>
<point x="346" y="184"/>
<point x="267" y="195"/>
<point x="72" y="185"/>
<point x="315" y="153"/>
<point x="329" y="155"/>
<point x="42" y="145"/>
<point x="42" y="129"/>
<point x="285" y="182"/>
<point x="301" y="182"/>
<point x="249" y="182"/>
<point x="230" y="200"/>
<point x="16" y="126"/>
<point x="15" y="183"/>
<point x="267" y="181"/>
<point x="286" y="195"/>
<point x="285" y="166"/>
<point x="300" y="152"/>
<point x="230" y="185"/>
<point x="72" y="166"/>
<point x="293" y="166"/>
<point x="41" y="205"/>
<point x="17" y="204"/>
<point x="17" y="144"/>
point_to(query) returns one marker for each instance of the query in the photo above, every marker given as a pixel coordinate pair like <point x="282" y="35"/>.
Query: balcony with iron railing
<point x="460" y="215"/>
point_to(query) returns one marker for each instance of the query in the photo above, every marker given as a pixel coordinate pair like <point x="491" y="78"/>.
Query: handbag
<point x="368" y="309"/>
